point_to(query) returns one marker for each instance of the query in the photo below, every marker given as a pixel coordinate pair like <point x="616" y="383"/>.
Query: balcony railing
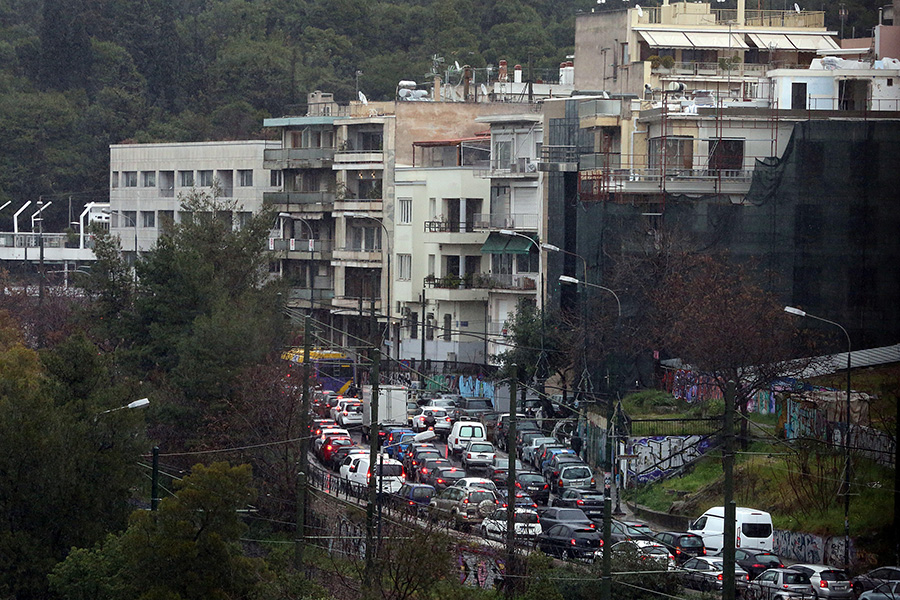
<point x="713" y="69"/>
<point x="481" y="281"/>
<point x="525" y="221"/>
<point x="301" y="245"/>
<point x="318" y="197"/>
<point x="599" y="108"/>
<point x="298" y="157"/>
<point x="453" y="226"/>
<point x="301" y="293"/>
<point x="50" y="240"/>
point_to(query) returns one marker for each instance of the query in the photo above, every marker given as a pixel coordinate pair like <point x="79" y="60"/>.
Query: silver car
<point x="827" y="582"/>
<point x="781" y="584"/>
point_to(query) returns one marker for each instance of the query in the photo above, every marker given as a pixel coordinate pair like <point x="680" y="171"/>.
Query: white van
<point x="752" y="529"/>
<point x="464" y="432"/>
<point x="390" y="471"/>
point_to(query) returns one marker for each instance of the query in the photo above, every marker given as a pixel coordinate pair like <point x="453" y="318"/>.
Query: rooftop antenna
<point x="362" y="98"/>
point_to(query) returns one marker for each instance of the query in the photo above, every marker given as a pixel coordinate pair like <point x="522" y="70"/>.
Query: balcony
<point x="298" y="158"/>
<point x="520" y="168"/>
<point x="714" y="69"/>
<point x="364" y="157"/>
<point x="595" y="186"/>
<point x="369" y="206"/>
<point x="454" y="232"/>
<point x="515" y="221"/>
<point x="309" y="200"/>
<point x="358" y="257"/>
<point x="351" y="304"/>
<point x="314" y="295"/>
<point x="482" y="281"/>
<point x="300" y="248"/>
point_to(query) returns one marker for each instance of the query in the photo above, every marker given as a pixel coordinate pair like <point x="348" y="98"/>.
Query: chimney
<point x="741" y="7"/>
<point x="517" y="74"/>
<point x="504" y="76"/>
<point x="436" y="92"/>
<point x="467" y="80"/>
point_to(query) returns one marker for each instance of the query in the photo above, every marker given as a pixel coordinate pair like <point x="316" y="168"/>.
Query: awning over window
<point x="773" y="41"/>
<point x="497" y="243"/>
<point x="666" y="39"/>
<point x="811" y="43"/>
<point x="714" y="40"/>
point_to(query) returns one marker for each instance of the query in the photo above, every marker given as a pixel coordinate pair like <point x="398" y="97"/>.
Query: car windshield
<point x="481" y="448"/>
<point x="690" y="541"/>
<point x="756" y="530"/>
<point x="570" y="514"/>
<point x="480" y="496"/>
<point x="389" y="470"/>
<point x="422" y="493"/>
<point x="526" y="517"/>
<point x="577" y="473"/>
<point x="530" y="478"/>
<point x="796" y="578"/>
<point x="478" y="404"/>
<point x="833" y="576"/>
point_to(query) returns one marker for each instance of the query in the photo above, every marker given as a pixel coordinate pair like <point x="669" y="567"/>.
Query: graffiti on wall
<point x="475" y="387"/>
<point x="811" y="548"/>
<point x="698" y="387"/>
<point x="479" y="569"/>
<point x="656" y="457"/>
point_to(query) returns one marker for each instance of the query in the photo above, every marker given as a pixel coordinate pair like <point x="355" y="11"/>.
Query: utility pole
<point x="423" y="331"/>
<point x="373" y="456"/>
<point x="304" y="447"/>
<point x="154" y="480"/>
<point x="511" y="569"/>
<point x="728" y="591"/>
<point x="606" y="579"/>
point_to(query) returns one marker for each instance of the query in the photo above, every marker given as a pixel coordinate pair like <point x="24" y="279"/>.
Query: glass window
<point x="726" y="155"/>
<point x="148" y="218"/>
<point x="405" y="211"/>
<point x="205" y="177"/>
<point x="756" y="530"/>
<point x="186" y="178"/>
<point x="148" y="178"/>
<point x="130" y="178"/>
<point x="245" y="177"/>
<point x="276" y="179"/>
<point x="114" y="179"/>
<point x="502" y="154"/>
<point x="404" y="267"/>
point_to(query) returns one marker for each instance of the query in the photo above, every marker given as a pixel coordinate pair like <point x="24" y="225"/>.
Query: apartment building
<point x="147" y="182"/>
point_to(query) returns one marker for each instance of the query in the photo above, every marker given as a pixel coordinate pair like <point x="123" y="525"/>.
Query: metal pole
<point x="154" y="480"/>
<point x="373" y="451"/>
<point x="511" y="485"/>
<point x="304" y="446"/>
<point x="728" y="539"/>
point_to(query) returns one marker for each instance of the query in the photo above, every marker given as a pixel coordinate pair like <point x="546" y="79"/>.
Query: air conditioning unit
<point x="451" y="356"/>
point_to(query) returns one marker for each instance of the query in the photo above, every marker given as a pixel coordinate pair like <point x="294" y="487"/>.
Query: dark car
<point x="756" y="562"/>
<point x="525" y="437"/>
<point x="682" y="545"/>
<point x="570" y="516"/>
<point x="622" y="532"/>
<point x="873" y="579"/>
<point x="339" y="454"/>
<point x="535" y="484"/>
<point x="705" y="573"/>
<point x="474" y="407"/>
<point x="523" y="500"/>
<point x="429" y="465"/>
<point x="568" y="541"/>
<point x="417" y="458"/>
<point x="413" y="497"/>
<point x="589" y="501"/>
<point x="556" y="462"/>
<point x="444" y="477"/>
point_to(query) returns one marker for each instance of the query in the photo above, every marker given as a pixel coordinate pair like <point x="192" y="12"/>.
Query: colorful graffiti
<point x="475" y="387"/>
<point x="811" y="548"/>
<point x="480" y="569"/>
<point x="656" y="457"/>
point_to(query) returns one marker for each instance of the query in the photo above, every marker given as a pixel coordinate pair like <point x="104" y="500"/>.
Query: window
<point x="148" y="218"/>
<point x="404" y="267"/>
<point x="114" y="179"/>
<point x="405" y="211"/>
<point x="128" y="218"/>
<point x="245" y="177"/>
<point x="413" y="321"/>
<point x="276" y="179"/>
<point x="186" y="178"/>
<point x="166" y="219"/>
<point x="205" y="177"/>
<point x="148" y="178"/>
<point x="502" y="154"/>
<point x="726" y="155"/>
<point x="429" y="327"/>
<point x="798" y="96"/>
<point x="243" y="219"/>
<point x="448" y="330"/>
<point x="130" y="178"/>
<point x="676" y="151"/>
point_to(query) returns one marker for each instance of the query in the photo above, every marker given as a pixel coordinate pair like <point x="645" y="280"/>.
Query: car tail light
<point x="465" y="500"/>
<point x="703" y="552"/>
<point x="573" y="542"/>
<point x="719" y="577"/>
<point x="785" y="586"/>
<point x="823" y="584"/>
<point x="468" y="455"/>
<point x="439" y="481"/>
<point x="579" y="502"/>
<point x="546" y="486"/>
<point x="346" y="413"/>
<point x="411" y="503"/>
<point x="738" y="542"/>
<point x="328" y="447"/>
<point x="677" y="550"/>
<point x="593" y="526"/>
<point x="601" y="542"/>
<point x="593" y="482"/>
<point x="560" y="483"/>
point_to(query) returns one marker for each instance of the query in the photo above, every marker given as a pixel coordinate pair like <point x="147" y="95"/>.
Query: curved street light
<point x="567" y="279"/>
<point x="801" y="313"/>
<point x="387" y="238"/>
<point x="136" y="404"/>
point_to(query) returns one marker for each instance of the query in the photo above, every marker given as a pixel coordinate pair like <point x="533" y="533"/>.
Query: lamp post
<point x="567" y="279"/>
<point x="133" y="224"/>
<point x="284" y="215"/>
<point x="136" y="404"/>
<point x="800" y="313"/>
<point x="387" y="311"/>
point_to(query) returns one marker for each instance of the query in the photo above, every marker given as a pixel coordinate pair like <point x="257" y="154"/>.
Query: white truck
<point x="391" y="405"/>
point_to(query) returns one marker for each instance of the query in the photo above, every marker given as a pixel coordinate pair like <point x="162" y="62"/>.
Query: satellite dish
<point x="484" y="91"/>
<point x="362" y="98"/>
<point x="456" y="62"/>
<point x="640" y="10"/>
<point x="796" y="8"/>
<point x="601" y="1"/>
<point x="404" y="92"/>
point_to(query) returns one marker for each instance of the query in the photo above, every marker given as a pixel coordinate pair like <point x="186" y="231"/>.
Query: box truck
<point x="391" y="406"/>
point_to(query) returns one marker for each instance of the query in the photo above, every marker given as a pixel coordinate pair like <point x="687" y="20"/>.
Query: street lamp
<point x="510" y="232"/>
<point x="284" y="215"/>
<point x="801" y="313"/>
<point x="131" y="220"/>
<point x="553" y="248"/>
<point x="136" y="404"/>
<point x="387" y="236"/>
<point x="567" y="279"/>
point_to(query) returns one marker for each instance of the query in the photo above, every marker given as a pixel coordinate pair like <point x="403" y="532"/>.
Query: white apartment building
<point x="147" y="182"/>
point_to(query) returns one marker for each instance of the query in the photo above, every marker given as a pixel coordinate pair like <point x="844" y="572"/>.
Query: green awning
<point x="497" y="243"/>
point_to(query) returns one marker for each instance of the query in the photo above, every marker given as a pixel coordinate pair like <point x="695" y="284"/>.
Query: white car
<point x="388" y="470"/>
<point x="478" y="454"/>
<point x="442" y="422"/>
<point x="479" y="483"/>
<point x="527" y="524"/>
<point x="528" y="451"/>
<point x="647" y="550"/>
<point x="339" y="407"/>
<point x="351" y="414"/>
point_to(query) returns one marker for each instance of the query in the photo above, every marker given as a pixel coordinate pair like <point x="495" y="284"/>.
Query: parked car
<point x="432" y="417"/>
<point x="527" y="524"/>
<point x="413" y="497"/>
<point x="780" y="584"/>
<point x="478" y="455"/>
<point x="873" y="579"/>
<point x="828" y="582"/>
<point x="568" y="541"/>
<point x="682" y="545"/>
<point x="444" y="477"/>
<point x="889" y="590"/>
<point x="705" y="573"/>
<point x="755" y="562"/>
<point x="571" y="516"/>
<point x="589" y="501"/>
<point x="577" y="476"/>
<point x="464" y="507"/>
